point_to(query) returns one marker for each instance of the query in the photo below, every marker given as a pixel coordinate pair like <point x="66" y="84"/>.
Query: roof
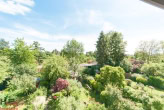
<point x="158" y="3"/>
<point x="88" y="64"/>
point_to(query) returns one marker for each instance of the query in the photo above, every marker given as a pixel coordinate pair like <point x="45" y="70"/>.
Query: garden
<point x="32" y="78"/>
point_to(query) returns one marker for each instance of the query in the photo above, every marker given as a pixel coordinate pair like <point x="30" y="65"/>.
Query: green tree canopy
<point x="53" y="68"/>
<point x="102" y="53"/>
<point x="3" y="44"/>
<point x="110" y="49"/>
<point x="73" y="49"/>
<point x="21" y="53"/>
<point x="5" y="68"/>
<point x="116" y="47"/>
<point x="39" y="52"/>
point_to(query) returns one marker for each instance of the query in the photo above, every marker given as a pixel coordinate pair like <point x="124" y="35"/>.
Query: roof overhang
<point x="158" y="3"/>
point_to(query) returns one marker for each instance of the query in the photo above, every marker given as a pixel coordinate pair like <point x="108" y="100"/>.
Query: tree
<point x="73" y="49"/>
<point x="56" y="52"/>
<point x="53" y="68"/>
<point x="4" y="47"/>
<point x="5" y="68"/>
<point x="148" y="50"/>
<point x="21" y="53"/>
<point x="116" y="47"/>
<point x="3" y="44"/>
<point x="102" y="53"/>
<point x="39" y="52"/>
<point x="110" y="49"/>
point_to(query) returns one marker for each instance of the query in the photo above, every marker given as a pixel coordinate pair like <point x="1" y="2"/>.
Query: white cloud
<point x="16" y="6"/>
<point x="48" y="41"/>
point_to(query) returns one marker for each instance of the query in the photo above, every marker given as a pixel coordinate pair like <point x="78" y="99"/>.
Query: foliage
<point x="116" y="47"/>
<point x="151" y="69"/>
<point x="60" y="85"/>
<point x="74" y="65"/>
<point x="3" y="44"/>
<point x="73" y="49"/>
<point x="21" y="53"/>
<point x="102" y="53"/>
<point x="136" y="65"/>
<point x="33" y="102"/>
<point x="54" y="67"/>
<point x="110" y="75"/>
<point x="111" y="96"/>
<point x="91" y="70"/>
<point x="67" y="103"/>
<point x="6" y="97"/>
<point x="96" y="106"/>
<point x="148" y="51"/>
<point x="74" y="98"/>
<point x="140" y="94"/>
<point x="23" y="84"/>
<point x="39" y="52"/>
<point x="126" y="65"/>
<point x="5" y="68"/>
<point x="141" y="80"/>
<point x="76" y="90"/>
<point x="110" y="49"/>
<point x="29" y="69"/>
<point x="156" y="81"/>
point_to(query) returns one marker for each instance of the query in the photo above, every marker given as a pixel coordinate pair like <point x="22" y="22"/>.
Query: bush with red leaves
<point x="60" y="85"/>
<point x="136" y="65"/>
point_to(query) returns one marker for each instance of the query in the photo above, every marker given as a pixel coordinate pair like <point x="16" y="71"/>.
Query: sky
<point x="53" y="22"/>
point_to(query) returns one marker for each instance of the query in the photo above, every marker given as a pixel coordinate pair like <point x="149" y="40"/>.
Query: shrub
<point x="110" y="75"/>
<point x="66" y="103"/>
<point x="94" y="106"/>
<point x="111" y="97"/>
<point x="126" y="65"/>
<point x="141" y="80"/>
<point x="157" y="82"/>
<point x="76" y="90"/>
<point x="54" y="67"/>
<point x="36" y="100"/>
<point x="91" y="71"/>
<point x="6" y="97"/>
<point x="29" y="69"/>
<point x="136" y="65"/>
<point x="5" y="68"/>
<point x="24" y="84"/>
<point x="60" y="84"/>
<point x="134" y="76"/>
<point x="151" y="69"/>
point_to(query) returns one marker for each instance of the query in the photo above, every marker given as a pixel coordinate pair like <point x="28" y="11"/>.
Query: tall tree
<point x="73" y="50"/>
<point x="102" y="53"/>
<point x="116" y="47"/>
<point x="21" y="53"/>
<point x="110" y="49"/>
<point x="3" y="44"/>
<point x="39" y="52"/>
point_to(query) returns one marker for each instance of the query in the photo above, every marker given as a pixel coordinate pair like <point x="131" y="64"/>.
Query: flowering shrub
<point x="60" y="85"/>
<point x="136" y="65"/>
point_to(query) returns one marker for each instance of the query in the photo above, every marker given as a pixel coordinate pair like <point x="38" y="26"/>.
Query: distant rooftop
<point x="88" y="64"/>
<point x="158" y="3"/>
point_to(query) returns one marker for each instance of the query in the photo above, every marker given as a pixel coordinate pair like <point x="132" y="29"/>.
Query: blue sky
<point x="54" y="22"/>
